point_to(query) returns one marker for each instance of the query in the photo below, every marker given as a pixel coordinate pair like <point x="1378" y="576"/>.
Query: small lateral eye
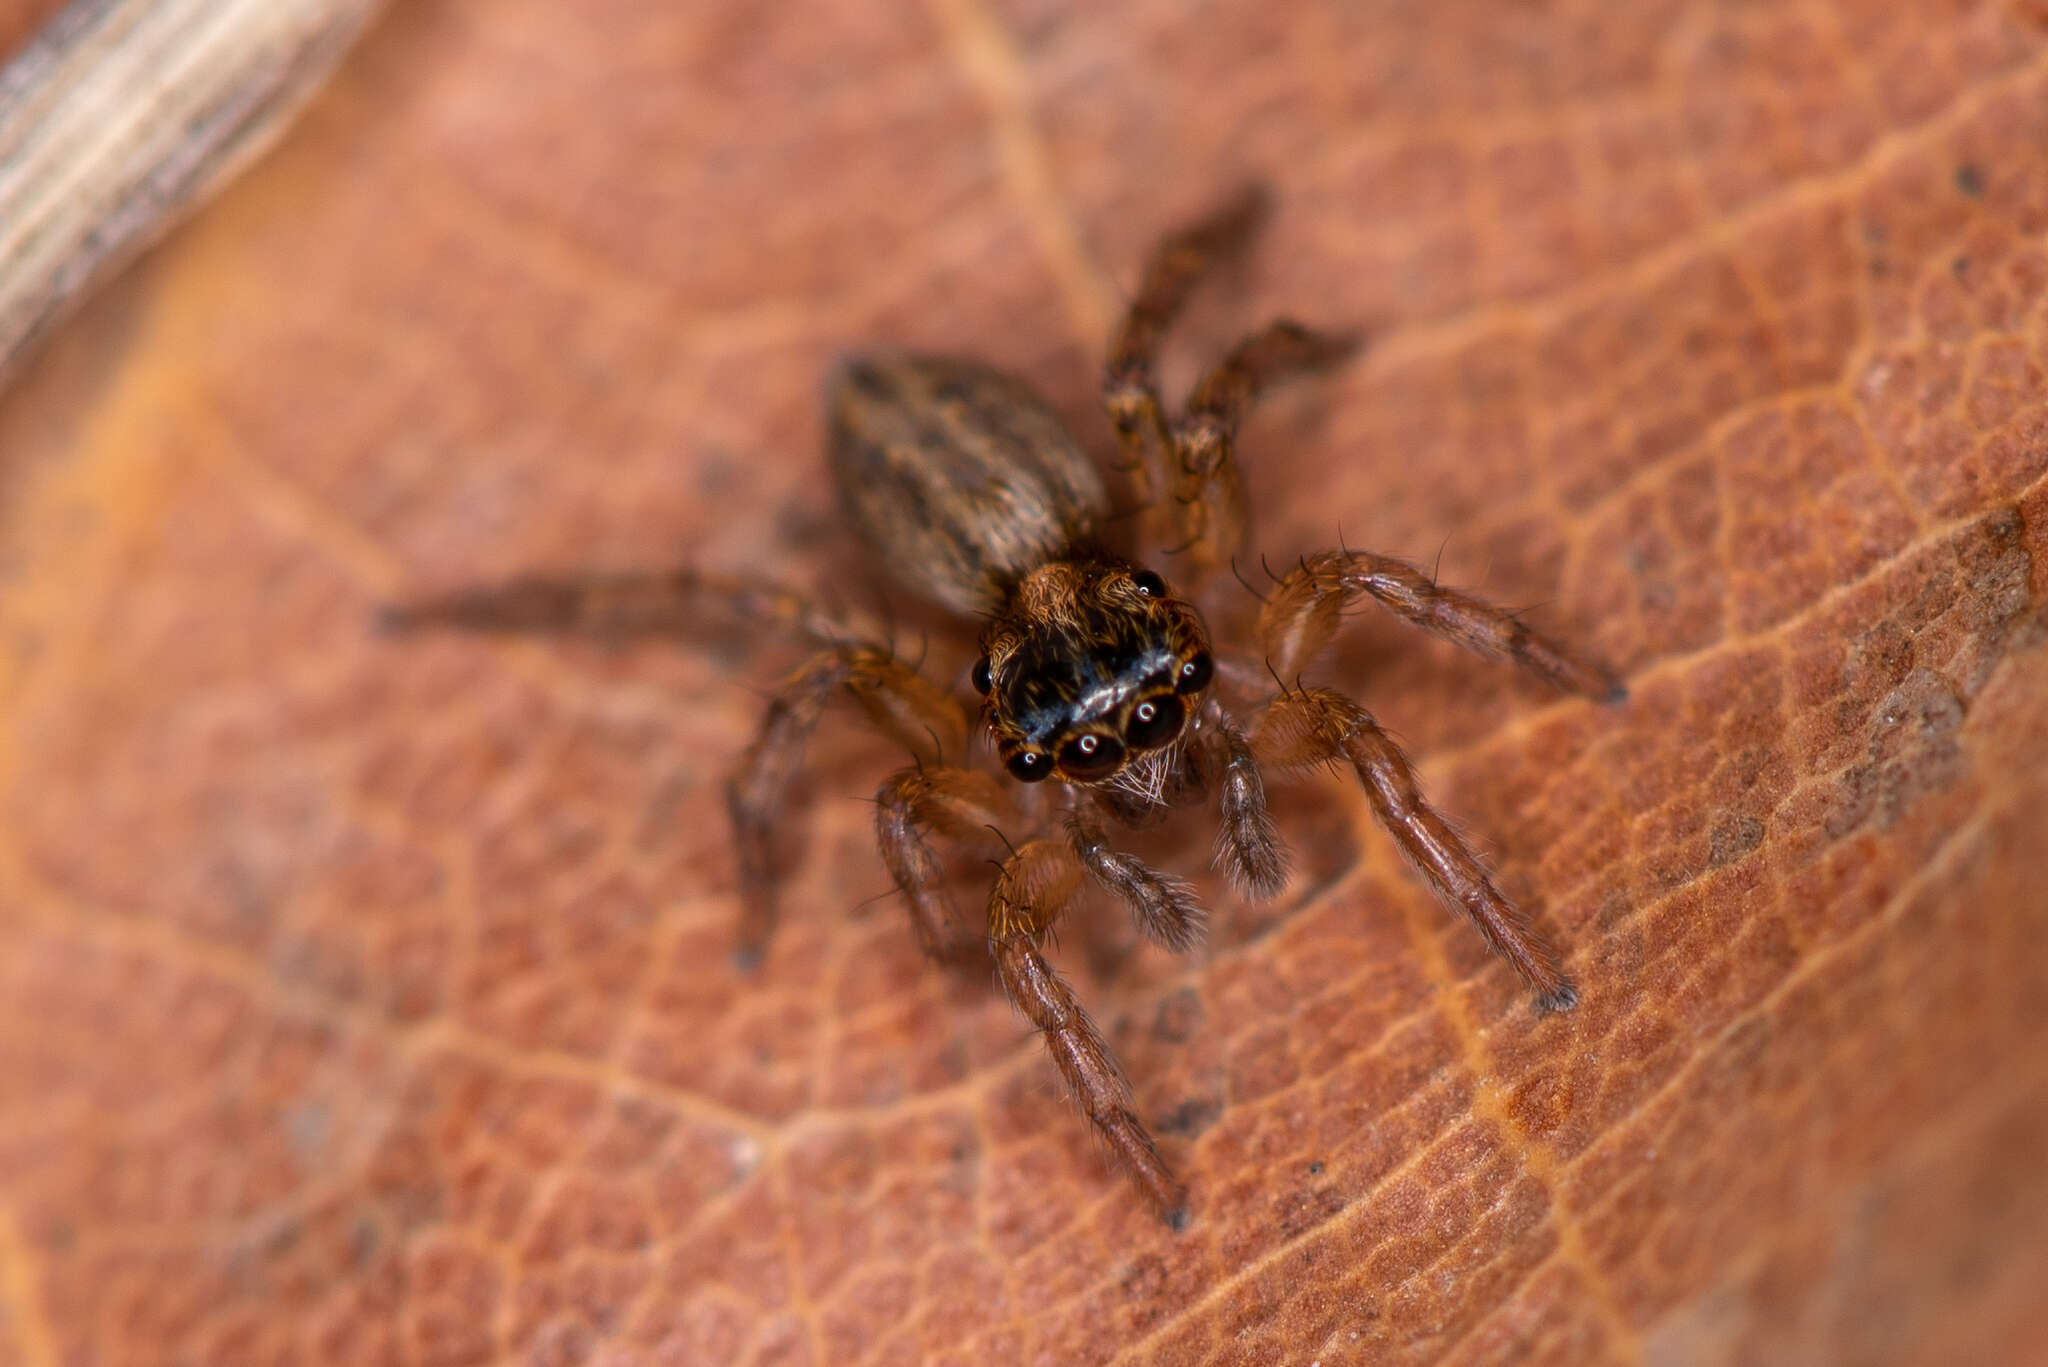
<point x="1091" y="756"/>
<point x="1149" y="584"/>
<point x="1029" y="766"/>
<point x="1195" y="673"/>
<point x="982" y="681"/>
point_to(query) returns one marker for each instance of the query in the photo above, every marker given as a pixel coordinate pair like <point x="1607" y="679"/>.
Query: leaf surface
<point x="368" y="1000"/>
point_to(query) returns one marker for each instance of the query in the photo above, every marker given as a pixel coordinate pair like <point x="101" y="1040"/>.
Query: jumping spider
<point x="1093" y="670"/>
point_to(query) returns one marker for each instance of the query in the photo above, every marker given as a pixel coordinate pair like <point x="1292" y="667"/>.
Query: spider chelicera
<point x="1099" y="686"/>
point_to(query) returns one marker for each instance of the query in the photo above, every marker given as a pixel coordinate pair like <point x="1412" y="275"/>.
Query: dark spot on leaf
<point x="1965" y="618"/>
<point x="364" y="1241"/>
<point x="1179" y="1017"/>
<point x="1734" y="837"/>
<point x="1192" y="1117"/>
<point x="1912" y="751"/>
<point x="717" y="473"/>
<point x="1147" y="1276"/>
<point x="1542" y="1102"/>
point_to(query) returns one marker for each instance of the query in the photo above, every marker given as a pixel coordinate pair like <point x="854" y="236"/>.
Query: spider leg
<point x="1163" y="906"/>
<point x="618" y="606"/>
<point x="964" y="805"/>
<point x="896" y="700"/>
<point x="1248" y="845"/>
<point x="1302" y="614"/>
<point x="1130" y="391"/>
<point x="1208" y="490"/>
<point x="1036" y="883"/>
<point x="1315" y="726"/>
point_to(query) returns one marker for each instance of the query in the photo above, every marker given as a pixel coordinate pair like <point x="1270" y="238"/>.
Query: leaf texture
<point x="368" y="1000"/>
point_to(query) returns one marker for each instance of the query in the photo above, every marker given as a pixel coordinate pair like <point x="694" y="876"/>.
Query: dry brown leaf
<point x="367" y="1001"/>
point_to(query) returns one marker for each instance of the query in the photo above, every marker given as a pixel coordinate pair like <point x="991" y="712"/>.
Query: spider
<point x="1100" y="690"/>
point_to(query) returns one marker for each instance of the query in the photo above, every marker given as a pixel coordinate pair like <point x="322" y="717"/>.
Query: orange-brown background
<point x="367" y="1001"/>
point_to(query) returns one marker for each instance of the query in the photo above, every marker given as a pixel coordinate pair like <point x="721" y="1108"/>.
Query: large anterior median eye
<point x="1091" y="756"/>
<point x="1154" y="722"/>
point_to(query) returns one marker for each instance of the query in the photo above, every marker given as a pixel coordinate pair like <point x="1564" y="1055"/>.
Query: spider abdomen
<point x="959" y="477"/>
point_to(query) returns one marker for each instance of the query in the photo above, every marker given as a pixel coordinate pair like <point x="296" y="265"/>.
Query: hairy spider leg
<point x="970" y="808"/>
<point x="1130" y="391"/>
<point x="1213" y="754"/>
<point x="1314" y="726"/>
<point x="1304" y="611"/>
<point x="964" y="805"/>
<point x="1036" y="883"/>
<point x="1164" y="907"/>
<point x="1306" y="727"/>
<point x="899" y="702"/>
<point x="619" y="606"/>
<point x="1248" y="845"/>
<point x="1208" y="489"/>
<point x="895" y="699"/>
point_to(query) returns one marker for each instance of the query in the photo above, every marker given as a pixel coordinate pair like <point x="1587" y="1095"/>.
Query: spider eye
<point x="1091" y="756"/>
<point x="1029" y="766"/>
<point x="1149" y="584"/>
<point x="1195" y="674"/>
<point x="1154" y="722"/>
<point x="982" y="681"/>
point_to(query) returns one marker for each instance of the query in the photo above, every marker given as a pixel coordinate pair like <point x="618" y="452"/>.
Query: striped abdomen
<point x="959" y="476"/>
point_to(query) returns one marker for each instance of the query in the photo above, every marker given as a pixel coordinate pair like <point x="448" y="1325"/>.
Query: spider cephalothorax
<point x="1091" y="670"/>
<point x="1090" y="665"/>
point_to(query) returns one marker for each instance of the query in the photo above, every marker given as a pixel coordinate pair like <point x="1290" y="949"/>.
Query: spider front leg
<point x="1034" y="887"/>
<point x="1248" y="845"/>
<point x="1163" y="906"/>
<point x="1315" y="726"/>
<point x="1213" y="754"/>
<point x="1303" y="613"/>
<point x="969" y="807"/>
<point x="965" y="805"/>
<point x="904" y="706"/>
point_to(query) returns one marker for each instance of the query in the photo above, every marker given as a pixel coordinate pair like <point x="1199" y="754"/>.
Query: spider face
<point x="1092" y="666"/>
